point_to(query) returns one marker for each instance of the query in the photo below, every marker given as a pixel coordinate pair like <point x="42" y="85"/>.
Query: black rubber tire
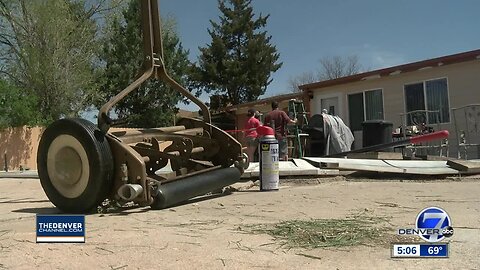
<point x="100" y="162"/>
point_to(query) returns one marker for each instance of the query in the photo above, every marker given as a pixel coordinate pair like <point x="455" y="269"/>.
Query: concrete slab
<point x="19" y="174"/>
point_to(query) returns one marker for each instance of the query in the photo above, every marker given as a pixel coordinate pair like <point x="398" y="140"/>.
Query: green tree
<point x="238" y="62"/>
<point x="16" y="107"/>
<point x="49" y="48"/>
<point x="153" y="104"/>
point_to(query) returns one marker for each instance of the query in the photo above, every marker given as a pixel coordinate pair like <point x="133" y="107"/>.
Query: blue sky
<point x="381" y="33"/>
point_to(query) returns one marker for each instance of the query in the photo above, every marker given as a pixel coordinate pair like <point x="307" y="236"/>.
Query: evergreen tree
<point x="238" y="62"/>
<point x="153" y="104"/>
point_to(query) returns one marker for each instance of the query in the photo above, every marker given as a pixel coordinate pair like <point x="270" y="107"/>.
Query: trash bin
<point x="377" y="132"/>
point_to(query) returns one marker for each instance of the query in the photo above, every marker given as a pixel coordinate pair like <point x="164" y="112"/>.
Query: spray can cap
<point x="265" y="131"/>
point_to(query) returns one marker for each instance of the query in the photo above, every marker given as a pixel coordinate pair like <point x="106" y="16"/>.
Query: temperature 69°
<point x="434" y="250"/>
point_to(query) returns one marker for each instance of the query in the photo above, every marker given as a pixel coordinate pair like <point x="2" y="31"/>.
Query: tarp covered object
<point x="338" y="136"/>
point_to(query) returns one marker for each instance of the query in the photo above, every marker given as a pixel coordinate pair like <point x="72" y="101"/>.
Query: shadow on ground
<point x="120" y="211"/>
<point x="24" y="201"/>
<point x="39" y="210"/>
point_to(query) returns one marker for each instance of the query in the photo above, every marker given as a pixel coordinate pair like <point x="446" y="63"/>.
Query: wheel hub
<point x="67" y="166"/>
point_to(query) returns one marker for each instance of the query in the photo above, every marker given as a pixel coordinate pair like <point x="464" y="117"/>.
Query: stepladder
<point x="296" y="137"/>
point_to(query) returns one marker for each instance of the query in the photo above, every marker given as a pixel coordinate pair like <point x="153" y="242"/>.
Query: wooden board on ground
<point x="376" y="155"/>
<point x="427" y="157"/>
<point x="423" y="167"/>
<point x="328" y="165"/>
<point x="465" y="166"/>
<point x="297" y="167"/>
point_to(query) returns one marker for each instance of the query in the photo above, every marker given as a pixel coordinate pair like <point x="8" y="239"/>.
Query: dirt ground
<point x="204" y="234"/>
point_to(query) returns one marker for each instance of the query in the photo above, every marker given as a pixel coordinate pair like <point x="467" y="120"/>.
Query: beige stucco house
<point x="438" y="85"/>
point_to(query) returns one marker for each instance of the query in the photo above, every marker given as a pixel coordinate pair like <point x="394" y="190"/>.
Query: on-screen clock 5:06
<point x="406" y="250"/>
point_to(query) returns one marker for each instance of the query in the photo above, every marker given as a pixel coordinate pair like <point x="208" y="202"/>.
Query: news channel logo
<point x="433" y="224"/>
<point x="60" y="228"/>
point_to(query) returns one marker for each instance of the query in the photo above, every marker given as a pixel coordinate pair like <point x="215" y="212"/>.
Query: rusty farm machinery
<point x="81" y="164"/>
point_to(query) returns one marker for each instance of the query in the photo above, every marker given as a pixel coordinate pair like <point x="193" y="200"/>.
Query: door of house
<point x="330" y="104"/>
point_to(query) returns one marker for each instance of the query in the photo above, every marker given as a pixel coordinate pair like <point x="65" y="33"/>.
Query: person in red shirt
<point x="251" y="134"/>
<point x="279" y="119"/>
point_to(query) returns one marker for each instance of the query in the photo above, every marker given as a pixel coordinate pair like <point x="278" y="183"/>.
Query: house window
<point x="363" y="106"/>
<point x="431" y="96"/>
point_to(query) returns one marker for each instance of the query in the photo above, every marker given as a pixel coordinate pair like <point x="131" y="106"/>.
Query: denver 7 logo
<point x="435" y="219"/>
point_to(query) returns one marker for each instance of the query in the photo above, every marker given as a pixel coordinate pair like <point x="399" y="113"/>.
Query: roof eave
<point x="395" y="70"/>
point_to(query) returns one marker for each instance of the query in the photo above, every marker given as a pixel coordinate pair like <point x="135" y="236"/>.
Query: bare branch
<point x="332" y="67"/>
<point x="304" y="78"/>
<point x="104" y="6"/>
<point x="336" y="67"/>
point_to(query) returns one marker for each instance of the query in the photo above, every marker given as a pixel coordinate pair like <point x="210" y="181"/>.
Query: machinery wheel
<point x="75" y="165"/>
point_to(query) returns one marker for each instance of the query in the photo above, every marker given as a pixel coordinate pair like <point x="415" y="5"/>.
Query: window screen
<point x="374" y="105"/>
<point x="437" y="100"/>
<point x="415" y="100"/>
<point x="431" y="95"/>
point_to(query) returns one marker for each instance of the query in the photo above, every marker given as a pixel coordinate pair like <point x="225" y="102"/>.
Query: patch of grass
<point x="316" y="233"/>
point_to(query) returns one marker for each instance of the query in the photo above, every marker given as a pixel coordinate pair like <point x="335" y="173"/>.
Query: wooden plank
<point x="303" y="164"/>
<point x="298" y="167"/>
<point x="376" y="155"/>
<point x="329" y="165"/>
<point x="424" y="167"/>
<point x="428" y="157"/>
<point x="465" y="165"/>
<point x="392" y="169"/>
<point x="398" y="163"/>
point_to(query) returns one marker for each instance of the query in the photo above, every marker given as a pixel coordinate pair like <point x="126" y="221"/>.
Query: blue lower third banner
<point x="60" y="229"/>
<point x="434" y="250"/>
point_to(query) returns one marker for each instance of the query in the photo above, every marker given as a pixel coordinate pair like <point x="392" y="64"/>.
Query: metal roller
<point x="178" y="191"/>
